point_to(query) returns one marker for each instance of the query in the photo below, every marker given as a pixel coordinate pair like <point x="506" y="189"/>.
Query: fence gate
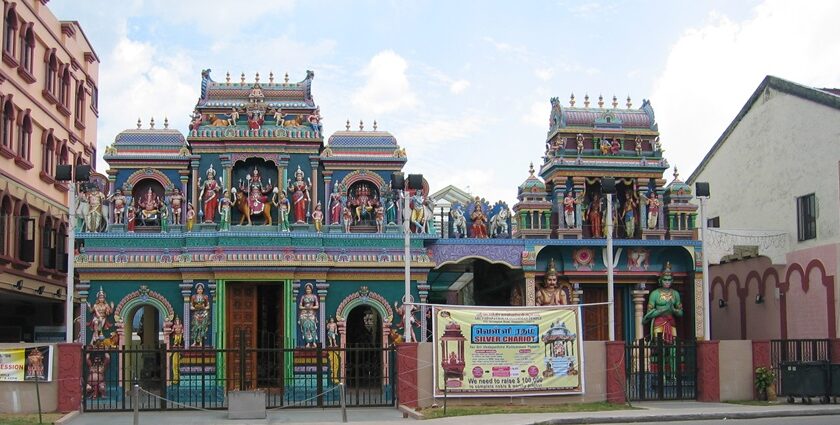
<point x="658" y="370"/>
<point x="797" y="351"/>
<point x="178" y="378"/>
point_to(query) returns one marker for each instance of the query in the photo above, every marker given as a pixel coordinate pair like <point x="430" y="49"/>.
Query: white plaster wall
<point x="784" y="147"/>
<point x="736" y="372"/>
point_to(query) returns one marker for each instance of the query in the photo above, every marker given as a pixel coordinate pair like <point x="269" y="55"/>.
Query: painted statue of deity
<point x="149" y="207"/>
<point x="418" y="211"/>
<point x="164" y="218"/>
<point x="176" y="201"/>
<point x="653" y="204"/>
<point x="177" y="332"/>
<point x="391" y="210"/>
<point x="300" y="196"/>
<point x="408" y="320"/>
<point x="335" y="205"/>
<point x="95" y="219"/>
<point x="459" y="222"/>
<point x="100" y="311"/>
<point x="593" y="215"/>
<point x="664" y="307"/>
<point x="282" y="203"/>
<point x="379" y="214"/>
<point x="97" y="363"/>
<point x="224" y="212"/>
<point x="308" y="316"/>
<point x="131" y="220"/>
<point x="257" y="191"/>
<point x="318" y="217"/>
<point x="119" y="201"/>
<point x="362" y="203"/>
<point x="629" y="216"/>
<point x="190" y="216"/>
<point x="479" y="221"/>
<point x="210" y="195"/>
<point x="200" y="322"/>
<point x="332" y="333"/>
<point x="550" y="294"/>
<point x="347" y="217"/>
<point x="569" y="203"/>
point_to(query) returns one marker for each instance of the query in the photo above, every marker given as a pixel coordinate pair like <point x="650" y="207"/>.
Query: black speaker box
<point x="64" y="173"/>
<point x="397" y="181"/>
<point x="608" y="185"/>
<point x="701" y="189"/>
<point x="82" y="173"/>
<point x="415" y="181"/>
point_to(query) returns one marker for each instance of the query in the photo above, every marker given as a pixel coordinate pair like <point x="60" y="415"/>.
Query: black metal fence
<point x="178" y="378"/>
<point x="798" y="353"/>
<point x="658" y="370"/>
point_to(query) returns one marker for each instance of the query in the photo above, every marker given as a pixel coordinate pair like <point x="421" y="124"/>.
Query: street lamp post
<point x="702" y="192"/>
<point x="66" y="173"/>
<point x="608" y="187"/>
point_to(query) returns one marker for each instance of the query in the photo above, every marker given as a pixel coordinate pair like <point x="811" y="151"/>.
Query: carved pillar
<point x="83" y="287"/>
<point x="185" y="179"/>
<point x="530" y="288"/>
<point x="639" y="310"/>
<point x="642" y="185"/>
<point x="423" y="292"/>
<point x="322" y="286"/>
<point x="282" y="181"/>
<point x="295" y="292"/>
<point x="227" y="166"/>
<point x="313" y="166"/>
<point x="112" y="180"/>
<point x="579" y="184"/>
<point x="186" y="291"/>
<point x="193" y="196"/>
<point x="211" y="289"/>
<point x="327" y="192"/>
<point x="558" y="195"/>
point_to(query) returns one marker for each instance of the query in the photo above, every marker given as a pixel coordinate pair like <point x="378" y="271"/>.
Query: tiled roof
<point x="160" y="138"/>
<point x="586" y="117"/>
<point x="362" y="139"/>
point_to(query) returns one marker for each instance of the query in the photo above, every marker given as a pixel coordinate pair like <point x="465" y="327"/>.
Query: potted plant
<point x="765" y="383"/>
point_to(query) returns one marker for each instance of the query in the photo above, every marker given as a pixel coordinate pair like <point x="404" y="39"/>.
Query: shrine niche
<point x="148" y="205"/>
<point x="254" y="190"/>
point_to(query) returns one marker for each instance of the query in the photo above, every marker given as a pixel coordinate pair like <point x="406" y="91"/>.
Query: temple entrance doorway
<point x="143" y="336"/>
<point x="255" y="321"/>
<point x="363" y="368"/>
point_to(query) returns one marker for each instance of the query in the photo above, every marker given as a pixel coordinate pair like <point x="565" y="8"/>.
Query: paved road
<point x="799" y="420"/>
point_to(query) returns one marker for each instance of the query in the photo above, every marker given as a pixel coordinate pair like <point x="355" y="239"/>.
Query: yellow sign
<point x="26" y="364"/>
<point x="486" y="351"/>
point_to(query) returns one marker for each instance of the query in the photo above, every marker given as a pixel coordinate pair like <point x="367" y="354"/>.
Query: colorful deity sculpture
<point x="418" y="211"/>
<point x="550" y="294"/>
<point x="190" y="216"/>
<point x="224" y="212"/>
<point x="459" y="222"/>
<point x="664" y="307"/>
<point x="149" y="207"/>
<point x="332" y="333"/>
<point x="408" y="321"/>
<point x="256" y="191"/>
<point x="131" y="220"/>
<point x="379" y="217"/>
<point x="629" y="216"/>
<point x="347" y="217"/>
<point x="569" y="203"/>
<point x="97" y="363"/>
<point x="300" y="196"/>
<point x="479" y="221"/>
<point x="100" y="311"/>
<point x="177" y="332"/>
<point x="362" y="203"/>
<point x="176" y="201"/>
<point x="308" y="316"/>
<point x="119" y="201"/>
<point x="210" y="195"/>
<point x="318" y="217"/>
<point x="653" y="204"/>
<point x="593" y="215"/>
<point x="391" y="210"/>
<point x="200" y="322"/>
<point x="335" y="205"/>
<point x="95" y="218"/>
<point x="282" y="203"/>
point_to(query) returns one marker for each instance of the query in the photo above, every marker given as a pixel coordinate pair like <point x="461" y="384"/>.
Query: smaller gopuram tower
<point x="533" y="211"/>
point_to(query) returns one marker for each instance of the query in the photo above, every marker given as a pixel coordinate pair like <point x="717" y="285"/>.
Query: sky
<point x="465" y="85"/>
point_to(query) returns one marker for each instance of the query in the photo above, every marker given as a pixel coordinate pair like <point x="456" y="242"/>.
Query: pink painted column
<point x="616" y="374"/>
<point x="407" y="374"/>
<point x="708" y="371"/>
<point x="760" y="358"/>
<point x="69" y="376"/>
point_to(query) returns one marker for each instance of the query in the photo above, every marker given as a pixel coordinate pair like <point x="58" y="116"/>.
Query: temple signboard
<point x="487" y="351"/>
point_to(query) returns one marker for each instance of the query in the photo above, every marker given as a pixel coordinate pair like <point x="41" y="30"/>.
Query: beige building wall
<point x="736" y="370"/>
<point x="48" y="89"/>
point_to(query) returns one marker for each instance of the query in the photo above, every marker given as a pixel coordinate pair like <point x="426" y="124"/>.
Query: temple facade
<point x="255" y="225"/>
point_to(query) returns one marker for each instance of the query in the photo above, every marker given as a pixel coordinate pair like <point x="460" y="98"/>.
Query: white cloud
<point x="387" y="88"/>
<point x="538" y="114"/>
<point x="427" y="135"/>
<point x="711" y="71"/>
<point x="459" y="86"/>
<point x="544" y="74"/>
<point x="209" y="16"/>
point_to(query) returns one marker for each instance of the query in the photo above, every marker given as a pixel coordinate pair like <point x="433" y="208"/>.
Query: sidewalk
<point x="645" y="412"/>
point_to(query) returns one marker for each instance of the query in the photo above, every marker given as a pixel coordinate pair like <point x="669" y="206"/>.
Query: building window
<point x="64" y="89"/>
<point x="11" y="25"/>
<point x="61" y="249"/>
<point x="80" y="103"/>
<point x="26" y="236"/>
<point x="94" y="97"/>
<point x="806" y="217"/>
<point x="27" y="52"/>
<point x="713" y="222"/>
<point x="63" y="155"/>
<point x="52" y="74"/>
<point x="49" y="155"/>
<point x="8" y="123"/>
<point x="48" y="245"/>
<point x="5" y="221"/>
<point x="25" y="137"/>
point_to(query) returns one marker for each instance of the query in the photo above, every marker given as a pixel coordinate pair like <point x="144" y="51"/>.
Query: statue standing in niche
<point x="100" y="310"/>
<point x="391" y="210"/>
<point x="200" y="308"/>
<point x="594" y="216"/>
<point x="318" y="217"/>
<point x="308" y="316"/>
<point x="131" y="221"/>
<point x="300" y="196"/>
<point x="653" y="204"/>
<point x="210" y="195"/>
<point x="332" y="333"/>
<point x="190" y="217"/>
<point x="629" y="215"/>
<point x="379" y="214"/>
<point x="479" y="221"/>
<point x="95" y="219"/>
<point x="176" y="201"/>
<point x="663" y="307"/>
<point x="150" y="204"/>
<point x="164" y="219"/>
<point x="177" y="332"/>
<point x="282" y="203"/>
<point x="418" y="211"/>
<point x="569" y="203"/>
<point x="550" y="294"/>
<point x="347" y="216"/>
<point x="224" y="212"/>
<point x="119" y="201"/>
<point x="335" y="205"/>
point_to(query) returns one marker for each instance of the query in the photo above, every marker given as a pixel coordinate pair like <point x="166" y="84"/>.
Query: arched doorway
<point x="363" y="368"/>
<point x="143" y="337"/>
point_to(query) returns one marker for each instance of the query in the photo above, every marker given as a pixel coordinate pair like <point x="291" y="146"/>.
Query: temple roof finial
<point x="242" y="78"/>
<point x="361" y="125"/>
<point x="271" y="77"/>
<point x="629" y="102"/>
<point x="374" y="125"/>
<point x="227" y="78"/>
<point x="257" y="78"/>
<point x="166" y="122"/>
<point x="531" y="169"/>
<point x="347" y="125"/>
<point x="601" y="101"/>
<point x="152" y="123"/>
<point x="586" y="100"/>
<point x="286" y="78"/>
<point x="139" y="124"/>
<point x="572" y="100"/>
<point x="676" y="174"/>
<point x="615" y="102"/>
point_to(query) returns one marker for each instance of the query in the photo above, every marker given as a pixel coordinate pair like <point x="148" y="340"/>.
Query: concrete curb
<point x="408" y="412"/>
<point x="66" y="419"/>
<point x="665" y="417"/>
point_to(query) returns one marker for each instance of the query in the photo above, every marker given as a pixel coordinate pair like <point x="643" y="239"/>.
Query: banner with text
<point x="26" y="364"/>
<point x="486" y="351"/>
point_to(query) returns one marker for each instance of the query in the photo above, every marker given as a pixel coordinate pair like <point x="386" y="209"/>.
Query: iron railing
<point x="658" y="370"/>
